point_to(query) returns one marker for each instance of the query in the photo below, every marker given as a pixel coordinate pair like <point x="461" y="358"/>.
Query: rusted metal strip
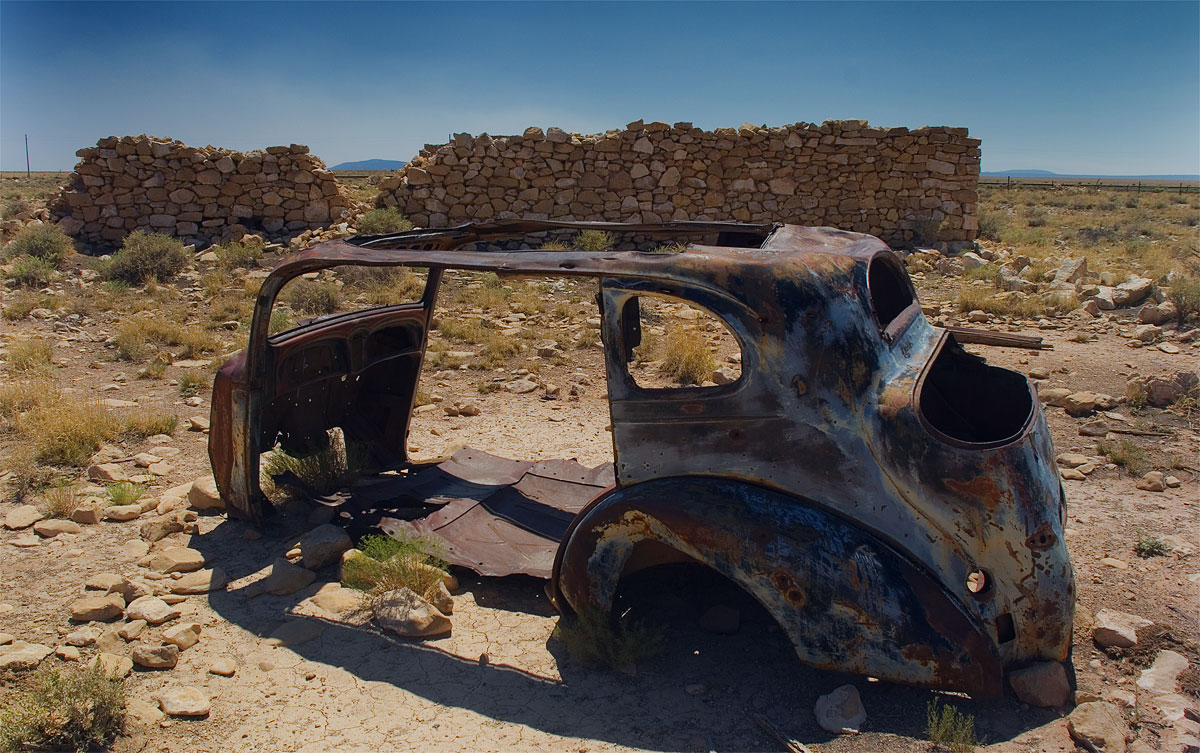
<point x="1001" y="339"/>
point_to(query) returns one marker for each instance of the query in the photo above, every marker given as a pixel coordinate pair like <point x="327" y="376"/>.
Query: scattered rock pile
<point x="196" y="193"/>
<point x="897" y="184"/>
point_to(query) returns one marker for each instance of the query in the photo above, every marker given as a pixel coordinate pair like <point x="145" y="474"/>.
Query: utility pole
<point x="27" y="156"/>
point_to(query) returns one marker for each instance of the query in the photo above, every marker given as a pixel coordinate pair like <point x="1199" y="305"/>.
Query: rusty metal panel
<point x="498" y="516"/>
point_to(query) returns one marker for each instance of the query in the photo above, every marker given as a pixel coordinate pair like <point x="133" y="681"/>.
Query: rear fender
<point x="848" y="601"/>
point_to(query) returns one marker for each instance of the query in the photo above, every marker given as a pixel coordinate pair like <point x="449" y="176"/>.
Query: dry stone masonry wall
<point x="196" y="193"/>
<point x="902" y="185"/>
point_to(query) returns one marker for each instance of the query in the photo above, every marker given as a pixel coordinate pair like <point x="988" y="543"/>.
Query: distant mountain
<point x="370" y="164"/>
<point x="1048" y="174"/>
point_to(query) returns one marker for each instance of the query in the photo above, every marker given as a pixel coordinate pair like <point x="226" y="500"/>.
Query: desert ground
<point x="104" y="403"/>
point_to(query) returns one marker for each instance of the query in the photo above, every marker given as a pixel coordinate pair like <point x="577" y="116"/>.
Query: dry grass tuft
<point x="597" y="641"/>
<point x="312" y="296"/>
<point x="60" y="501"/>
<point x="686" y="357"/>
<point x="595" y="240"/>
<point x="388" y="563"/>
<point x="34" y="354"/>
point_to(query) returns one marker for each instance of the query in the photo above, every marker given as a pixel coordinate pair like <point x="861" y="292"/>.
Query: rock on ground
<point x="177" y="559"/>
<point x="98" y="608"/>
<point x="185" y="700"/>
<point x="1098" y="727"/>
<point x="203" y="495"/>
<point x="405" y="613"/>
<point x="182" y="636"/>
<point x="282" y="579"/>
<point x="156" y="657"/>
<point x="152" y="609"/>
<point x="1163" y="673"/>
<point x="295" y="632"/>
<point x="113" y="666"/>
<point x="22" y="517"/>
<point x="51" y="528"/>
<point x="841" y="710"/>
<point x="323" y="546"/>
<point x="1117" y="629"/>
<point x="1044" y="684"/>
<point x="200" y="582"/>
<point x="20" y="656"/>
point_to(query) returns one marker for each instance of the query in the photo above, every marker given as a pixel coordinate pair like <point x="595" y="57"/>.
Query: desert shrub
<point x="46" y="242"/>
<point x="63" y="709"/>
<point x="1150" y="546"/>
<point x="992" y="224"/>
<point x="280" y="320"/>
<point x="60" y="501"/>
<point x="686" y="357"/>
<point x="1035" y="217"/>
<point x="669" y="248"/>
<point x="24" y="301"/>
<point x="1126" y="454"/>
<point x="379" y="221"/>
<point x="241" y="254"/>
<point x="30" y="272"/>
<point x="597" y="641"/>
<point x="1093" y="236"/>
<point x="19" y="395"/>
<point x="595" y="240"/>
<point x="146" y="423"/>
<point x="1185" y="294"/>
<point x="33" y="354"/>
<point x="69" y="430"/>
<point x="14" y="209"/>
<point x="156" y="368"/>
<point x="555" y="246"/>
<point x="989" y="272"/>
<point x="146" y="256"/>
<point x="312" y="296"/>
<point x="926" y="230"/>
<point x="948" y="729"/>
<point x="191" y="382"/>
<point x="389" y="563"/>
<point x="985" y="299"/>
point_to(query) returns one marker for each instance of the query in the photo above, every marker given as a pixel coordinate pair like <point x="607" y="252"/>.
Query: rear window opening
<point x="672" y="344"/>
<point x="968" y="401"/>
<point x="891" y="291"/>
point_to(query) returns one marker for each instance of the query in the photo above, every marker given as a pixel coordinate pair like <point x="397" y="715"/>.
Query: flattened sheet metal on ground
<point x="499" y="516"/>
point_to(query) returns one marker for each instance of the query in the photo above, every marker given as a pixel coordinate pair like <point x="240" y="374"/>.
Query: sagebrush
<point x="63" y="709"/>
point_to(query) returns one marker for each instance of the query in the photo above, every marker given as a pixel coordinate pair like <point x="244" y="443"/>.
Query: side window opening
<point x="890" y="290"/>
<point x="670" y="344"/>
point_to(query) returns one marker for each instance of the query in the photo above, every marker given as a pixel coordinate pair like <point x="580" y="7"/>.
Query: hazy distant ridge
<point x="370" y="164"/>
<point x="1048" y="174"/>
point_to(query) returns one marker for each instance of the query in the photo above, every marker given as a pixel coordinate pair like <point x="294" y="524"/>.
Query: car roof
<point x="788" y="251"/>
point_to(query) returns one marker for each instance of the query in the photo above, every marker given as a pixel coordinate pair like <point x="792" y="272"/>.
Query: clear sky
<point x="1080" y="87"/>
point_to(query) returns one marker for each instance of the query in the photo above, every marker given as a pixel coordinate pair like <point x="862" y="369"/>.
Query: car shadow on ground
<point x="703" y="691"/>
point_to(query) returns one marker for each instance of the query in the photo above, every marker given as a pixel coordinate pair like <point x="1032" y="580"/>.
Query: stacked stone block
<point x="196" y="193"/>
<point x="905" y="186"/>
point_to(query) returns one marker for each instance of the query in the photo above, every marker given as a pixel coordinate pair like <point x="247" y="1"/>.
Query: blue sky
<point x="1080" y="87"/>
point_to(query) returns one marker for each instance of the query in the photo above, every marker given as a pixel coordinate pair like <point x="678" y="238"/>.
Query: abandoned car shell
<point x="888" y="497"/>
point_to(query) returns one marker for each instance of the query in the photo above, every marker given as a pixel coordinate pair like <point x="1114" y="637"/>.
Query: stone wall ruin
<point x="905" y="186"/>
<point x="196" y="193"/>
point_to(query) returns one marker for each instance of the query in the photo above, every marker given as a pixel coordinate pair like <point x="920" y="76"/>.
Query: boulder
<point x="840" y="711"/>
<point x="114" y="666"/>
<point x="176" y="559"/>
<point x="1154" y="481"/>
<point x="185" y="700"/>
<point x="98" y="608"/>
<point x="199" y="582"/>
<point x="20" y="656"/>
<point x="1044" y="684"/>
<point x="203" y="495"/>
<point x="22" y="516"/>
<point x="282" y="578"/>
<point x="1098" y="727"/>
<point x="1053" y="396"/>
<point x="405" y="613"/>
<point x="323" y="546"/>
<point x="88" y="514"/>
<point x="122" y="513"/>
<point x="1133" y="291"/>
<point x="51" y="528"/>
<point x="102" y="581"/>
<point x="223" y="666"/>
<point x="295" y="632"/>
<point x="336" y="599"/>
<point x="1115" y="629"/>
<point x="152" y="609"/>
<point x="156" y="657"/>
<point x="442" y="600"/>
<point x="184" y="635"/>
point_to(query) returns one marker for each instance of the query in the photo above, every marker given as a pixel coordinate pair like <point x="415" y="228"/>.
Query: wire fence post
<point x="27" y="156"/>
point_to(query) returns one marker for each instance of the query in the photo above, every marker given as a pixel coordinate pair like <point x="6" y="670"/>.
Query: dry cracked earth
<point x="300" y="670"/>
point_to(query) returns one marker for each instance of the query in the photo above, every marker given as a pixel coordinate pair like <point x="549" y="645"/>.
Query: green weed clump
<point x="597" y="641"/>
<point x="242" y="254"/>
<point x="379" y="221"/>
<point x="388" y="563"/>
<point x="1150" y="546"/>
<point x="144" y="257"/>
<point x="124" y="493"/>
<point x="948" y="729"/>
<point x="46" y="242"/>
<point x="595" y="240"/>
<point x="63" y="709"/>
<point x="31" y="272"/>
<point x="1126" y="454"/>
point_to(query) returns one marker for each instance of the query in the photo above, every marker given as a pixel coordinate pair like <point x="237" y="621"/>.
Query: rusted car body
<point x="891" y="499"/>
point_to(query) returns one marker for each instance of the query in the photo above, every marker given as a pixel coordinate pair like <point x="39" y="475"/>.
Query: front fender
<point x="848" y="601"/>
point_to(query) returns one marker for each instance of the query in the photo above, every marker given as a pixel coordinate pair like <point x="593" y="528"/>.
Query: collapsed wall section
<point x="196" y="193"/>
<point x="905" y="186"/>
